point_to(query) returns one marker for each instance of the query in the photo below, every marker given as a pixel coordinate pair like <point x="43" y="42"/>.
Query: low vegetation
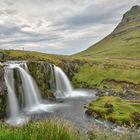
<point x="53" y="129"/>
<point x="116" y="110"/>
<point x="109" y="77"/>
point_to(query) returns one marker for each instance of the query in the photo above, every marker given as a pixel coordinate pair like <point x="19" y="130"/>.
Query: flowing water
<point x="64" y="88"/>
<point x="12" y="99"/>
<point x="15" y="117"/>
<point x="63" y="85"/>
<point x="32" y="95"/>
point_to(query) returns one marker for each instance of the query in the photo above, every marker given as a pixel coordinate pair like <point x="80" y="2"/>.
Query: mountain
<point x="123" y="42"/>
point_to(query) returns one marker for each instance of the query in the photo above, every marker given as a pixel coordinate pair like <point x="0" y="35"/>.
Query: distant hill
<point x="123" y="42"/>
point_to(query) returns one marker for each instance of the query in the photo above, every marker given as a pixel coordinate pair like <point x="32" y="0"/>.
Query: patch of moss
<point x="115" y="109"/>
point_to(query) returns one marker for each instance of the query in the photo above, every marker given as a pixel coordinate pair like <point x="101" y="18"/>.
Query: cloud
<point x="60" y="27"/>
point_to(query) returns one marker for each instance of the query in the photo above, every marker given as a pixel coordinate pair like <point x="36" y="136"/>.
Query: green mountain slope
<point x="123" y="42"/>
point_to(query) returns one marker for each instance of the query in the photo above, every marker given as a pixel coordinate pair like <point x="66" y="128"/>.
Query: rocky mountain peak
<point x="132" y="15"/>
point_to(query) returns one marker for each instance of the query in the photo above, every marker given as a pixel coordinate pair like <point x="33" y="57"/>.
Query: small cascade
<point x="63" y="85"/>
<point x="12" y="99"/>
<point x="32" y="95"/>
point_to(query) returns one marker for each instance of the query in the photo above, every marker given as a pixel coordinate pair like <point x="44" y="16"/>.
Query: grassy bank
<point x="43" y="130"/>
<point x="109" y="76"/>
<point x="55" y="129"/>
<point x="116" y="110"/>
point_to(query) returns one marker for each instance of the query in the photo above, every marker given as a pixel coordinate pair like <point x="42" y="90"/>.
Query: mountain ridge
<point x="124" y="41"/>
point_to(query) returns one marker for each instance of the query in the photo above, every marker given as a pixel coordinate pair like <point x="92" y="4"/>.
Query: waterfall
<point x="32" y="95"/>
<point x="33" y="102"/>
<point x="12" y="99"/>
<point x="31" y="91"/>
<point x="63" y="85"/>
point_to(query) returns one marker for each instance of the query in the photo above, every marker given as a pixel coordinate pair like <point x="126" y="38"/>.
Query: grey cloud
<point x="8" y="30"/>
<point x="1" y="12"/>
<point x="10" y="11"/>
<point x="30" y="39"/>
<point x="13" y="30"/>
<point x="9" y="3"/>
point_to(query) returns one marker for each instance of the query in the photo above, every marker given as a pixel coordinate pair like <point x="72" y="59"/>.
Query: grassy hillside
<point x="121" y="79"/>
<point x="28" y="55"/>
<point x="123" y="42"/>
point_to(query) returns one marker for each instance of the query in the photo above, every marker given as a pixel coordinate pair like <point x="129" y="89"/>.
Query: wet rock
<point x="61" y="101"/>
<point x="125" y="94"/>
<point x="88" y="112"/>
<point x="1" y="56"/>
<point x="135" y="116"/>
<point x="52" y="98"/>
<point x="109" y="106"/>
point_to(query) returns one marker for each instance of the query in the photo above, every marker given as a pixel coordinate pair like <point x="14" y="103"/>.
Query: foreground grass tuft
<point x="43" y="130"/>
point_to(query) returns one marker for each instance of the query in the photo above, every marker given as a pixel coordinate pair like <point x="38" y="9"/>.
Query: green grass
<point x="116" y="110"/>
<point x="30" y="55"/>
<point x="54" y="129"/>
<point x="101" y="75"/>
<point x="43" y="130"/>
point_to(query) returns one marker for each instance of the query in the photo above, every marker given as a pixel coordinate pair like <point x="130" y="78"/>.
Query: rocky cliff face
<point x="3" y="93"/>
<point x="130" y="21"/>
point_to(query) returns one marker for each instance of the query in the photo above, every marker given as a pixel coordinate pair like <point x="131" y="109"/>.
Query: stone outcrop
<point x="3" y="93"/>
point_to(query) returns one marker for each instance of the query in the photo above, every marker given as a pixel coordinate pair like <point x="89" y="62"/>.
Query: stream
<point x="72" y="109"/>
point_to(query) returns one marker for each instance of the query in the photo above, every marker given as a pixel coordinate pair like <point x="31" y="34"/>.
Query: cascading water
<point x="31" y="90"/>
<point x="15" y="117"/>
<point x="12" y="99"/>
<point x="63" y="85"/>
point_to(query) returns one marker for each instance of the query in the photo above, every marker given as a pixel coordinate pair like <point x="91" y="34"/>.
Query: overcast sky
<point x="58" y="26"/>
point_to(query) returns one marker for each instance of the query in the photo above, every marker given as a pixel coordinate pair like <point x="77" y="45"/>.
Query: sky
<point x="58" y="26"/>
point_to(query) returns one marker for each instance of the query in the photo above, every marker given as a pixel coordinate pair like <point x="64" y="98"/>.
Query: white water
<point x="32" y="94"/>
<point x="63" y="85"/>
<point x="12" y="99"/>
<point x="15" y="118"/>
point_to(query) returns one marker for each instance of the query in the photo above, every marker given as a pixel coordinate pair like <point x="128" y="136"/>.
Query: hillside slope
<point x="123" y="42"/>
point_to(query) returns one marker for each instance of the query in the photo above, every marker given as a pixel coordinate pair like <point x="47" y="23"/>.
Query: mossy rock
<point x="114" y="109"/>
<point x="135" y="118"/>
<point x="42" y="74"/>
